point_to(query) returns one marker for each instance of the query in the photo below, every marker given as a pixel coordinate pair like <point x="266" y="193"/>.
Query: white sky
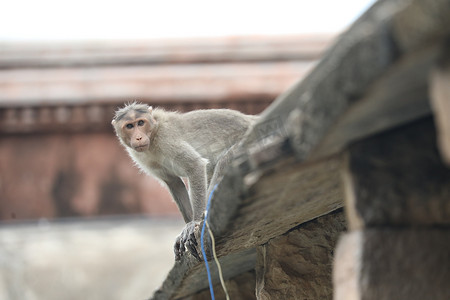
<point x="139" y="19"/>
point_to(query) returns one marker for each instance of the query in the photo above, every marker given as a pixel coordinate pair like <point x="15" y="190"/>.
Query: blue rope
<point x="211" y="290"/>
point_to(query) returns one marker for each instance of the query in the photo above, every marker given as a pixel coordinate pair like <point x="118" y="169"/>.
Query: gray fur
<point x="184" y="145"/>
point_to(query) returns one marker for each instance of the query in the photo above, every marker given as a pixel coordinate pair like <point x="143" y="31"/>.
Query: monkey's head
<point x="134" y="125"/>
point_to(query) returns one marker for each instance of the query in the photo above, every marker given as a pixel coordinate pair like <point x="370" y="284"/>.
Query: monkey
<point x="173" y="146"/>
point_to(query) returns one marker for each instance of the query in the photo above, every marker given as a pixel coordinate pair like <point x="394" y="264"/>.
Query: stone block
<point x="298" y="265"/>
<point x="401" y="264"/>
<point x="397" y="178"/>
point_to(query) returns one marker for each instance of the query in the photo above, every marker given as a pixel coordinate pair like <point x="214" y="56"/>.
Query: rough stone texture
<point x="298" y="265"/>
<point x="398" y="178"/>
<point x="241" y="287"/>
<point x="115" y="259"/>
<point x="232" y="265"/>
<point x="401" y="264"/>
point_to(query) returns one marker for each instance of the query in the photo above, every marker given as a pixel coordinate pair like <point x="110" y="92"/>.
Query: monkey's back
<point x="213" y="131"/>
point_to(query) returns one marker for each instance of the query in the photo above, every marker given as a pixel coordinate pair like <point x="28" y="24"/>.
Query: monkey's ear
<point x="113" y="122"/>
<point x="150" y="109"/>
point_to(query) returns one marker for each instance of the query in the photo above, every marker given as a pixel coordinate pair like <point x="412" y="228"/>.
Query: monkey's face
<point x="136" y="134"/>
<point x="134" y="125"/>
<point x="134" y="131"/>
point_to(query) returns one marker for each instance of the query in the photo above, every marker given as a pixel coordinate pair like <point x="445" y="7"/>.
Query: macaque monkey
<point x="174" y="146"/>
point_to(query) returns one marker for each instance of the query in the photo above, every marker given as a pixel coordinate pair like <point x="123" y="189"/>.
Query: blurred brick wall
<point x="58" y="154"/>
<point x="72" y="173"/>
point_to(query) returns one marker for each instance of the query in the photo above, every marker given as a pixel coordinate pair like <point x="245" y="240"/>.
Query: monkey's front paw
<point x="187" y="240"/>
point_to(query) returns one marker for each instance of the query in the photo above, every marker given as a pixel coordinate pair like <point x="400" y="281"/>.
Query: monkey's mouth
<point x="141" y="148"/>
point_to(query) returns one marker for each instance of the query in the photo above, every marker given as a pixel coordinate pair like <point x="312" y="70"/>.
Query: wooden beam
<point x="283" y="198"/>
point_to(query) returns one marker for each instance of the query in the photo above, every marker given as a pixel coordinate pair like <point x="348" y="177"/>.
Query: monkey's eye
<point x="140" y="123"/>
<point x="129" y="126"/>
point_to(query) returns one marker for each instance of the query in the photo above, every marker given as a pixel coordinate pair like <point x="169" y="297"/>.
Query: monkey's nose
<point x="139" y="138"/>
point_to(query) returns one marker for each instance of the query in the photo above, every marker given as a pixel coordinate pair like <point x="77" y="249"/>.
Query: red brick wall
<point x="72" y="172"/>
<point x="66" y="175"/>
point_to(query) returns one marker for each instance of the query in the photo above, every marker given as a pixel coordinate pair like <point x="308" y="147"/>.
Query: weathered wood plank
<point x="396" y="98"/>
<point x="367" y="82"/>
<point x="281" y="200"/>
<point x="419" y="23"/>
